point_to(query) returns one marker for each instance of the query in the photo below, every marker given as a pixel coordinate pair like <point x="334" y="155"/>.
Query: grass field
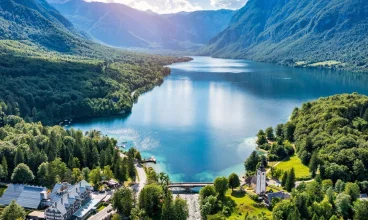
<point x="244" y="205"/>
<point x="301" y="171"/>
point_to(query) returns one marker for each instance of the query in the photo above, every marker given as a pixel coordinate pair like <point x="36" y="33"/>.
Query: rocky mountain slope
<point x="298" y="32"/>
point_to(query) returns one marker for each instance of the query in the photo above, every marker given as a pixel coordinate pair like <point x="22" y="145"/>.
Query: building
<point x="363" y="197"/>
<point x="29" y="197"/>
<point x="261" y="180"/>
<point x="36" y="215"/>
<point x="258" y="182"/>
<point x="281" y="195"/>
<point x="67" y="199"/>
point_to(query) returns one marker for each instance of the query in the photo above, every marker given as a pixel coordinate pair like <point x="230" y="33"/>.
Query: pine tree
<point x="290" y="181"/>
<point x="19" y="157"/>
<point x="313" y="164"/>
<point x="284" y="179"/>
<point x="4" y="164"/>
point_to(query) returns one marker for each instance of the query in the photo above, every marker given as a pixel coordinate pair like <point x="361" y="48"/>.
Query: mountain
<point x="122" y="26"/>
<point x="37" y="21"/>
<point x="50" y="73"/>
<point x="298" y="32"/>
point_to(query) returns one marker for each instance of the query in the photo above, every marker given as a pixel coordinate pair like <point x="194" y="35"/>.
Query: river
<point x="201" y="122"/>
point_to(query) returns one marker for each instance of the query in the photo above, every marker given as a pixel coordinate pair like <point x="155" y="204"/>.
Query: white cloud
<point x="159" y="6"/>
<point x="230" y="4"/>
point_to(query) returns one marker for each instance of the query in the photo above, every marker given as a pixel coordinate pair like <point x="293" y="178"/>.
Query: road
<point x="141" y="178"/>
<point x="103" y="214"/>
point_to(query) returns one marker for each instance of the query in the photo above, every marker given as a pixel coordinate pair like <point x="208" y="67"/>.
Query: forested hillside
<point x="50" y="73"/>
<point x="35" y="154"/>
<point x="298" y="33"/>
<point x="336" y="130"/>
<point x="122" y="26"/>
<point x="331" y="137"/>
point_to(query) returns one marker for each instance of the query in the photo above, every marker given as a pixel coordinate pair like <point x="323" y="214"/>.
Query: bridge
<point x="189" y="185"/>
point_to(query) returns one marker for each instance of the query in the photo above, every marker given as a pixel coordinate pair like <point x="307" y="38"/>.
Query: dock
<point x="149" y="160"/>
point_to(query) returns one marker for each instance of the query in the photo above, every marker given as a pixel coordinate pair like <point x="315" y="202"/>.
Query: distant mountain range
<point x="37" y="21"/>
<point x="330" y="33"/>
<point x="122" y="26"/>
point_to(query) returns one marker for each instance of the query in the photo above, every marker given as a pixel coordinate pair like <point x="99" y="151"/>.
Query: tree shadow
<point x="237" y="194"/>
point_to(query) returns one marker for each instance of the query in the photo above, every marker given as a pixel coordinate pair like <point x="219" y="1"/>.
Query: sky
<point x="172" y="6"/>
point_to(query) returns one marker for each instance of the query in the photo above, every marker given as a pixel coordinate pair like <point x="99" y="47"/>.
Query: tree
<point x="252" y="162"/>
<point x="13" y="211"/>
<point x="343" y="204"/>
<point x="339" y="186"/>
<point x="85" y="173"/>
<point x="138" y="214"/>
<point x="181" y="210"/>
<point x="360" y="210"/>
<point x="221" y="185"/>
<point x="261" y="140"/>
<point x="149" y="199"/>
<point x="283" y="209"/>
<point x="353" y="190"/>
<point x="56" y="171"/>
<point x="279" y="131"/>
<point x="95" y="177"/>
<point x="313" y="164"/>
<point x="122" y="201"/>
<point x="42" y="173"/>
<point x="108" y="173"/>
<point x="4" y="164"/>
<point x="234" y="181"/>
<point x="290" y="181"/>
<point x="77" y="175"/>
<point x="314" y="191"/>
<point x="284" y="178"/>
<point x="22" y="174"/>
<point x="289" y="129"/>
<point x="19" y="156"/>
<point x="207" y="191"/>
<point x="269" y="134"/>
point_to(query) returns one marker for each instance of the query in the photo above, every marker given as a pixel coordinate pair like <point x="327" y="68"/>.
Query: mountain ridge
<point x="298" y="33"/>
<point x="122" y="26"/>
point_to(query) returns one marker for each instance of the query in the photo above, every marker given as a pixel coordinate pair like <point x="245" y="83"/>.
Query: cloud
<point x="229" y="4"/>
<point x="159" y="6"/>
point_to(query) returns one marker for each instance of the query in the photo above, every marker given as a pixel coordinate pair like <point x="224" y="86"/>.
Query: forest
<point x="330" y="137"/>
<point x="35" y="154"/>
<point x="50" y="87"/>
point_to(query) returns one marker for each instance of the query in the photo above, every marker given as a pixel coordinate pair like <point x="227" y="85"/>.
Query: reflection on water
<point x="200" y="122"/>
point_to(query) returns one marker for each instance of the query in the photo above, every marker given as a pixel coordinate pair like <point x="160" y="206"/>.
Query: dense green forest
<point x="298" y="33"/>
<point x="35" y="154"/>
<point x="51" y="73"/>
<point x="51" y="87"/>
<point x="330" y="136"/>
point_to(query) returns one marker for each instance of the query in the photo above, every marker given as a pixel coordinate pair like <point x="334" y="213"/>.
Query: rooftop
<point x="26" y="196"/>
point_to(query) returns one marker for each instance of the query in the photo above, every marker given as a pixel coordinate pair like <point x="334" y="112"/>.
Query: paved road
<point x="103" y="214"/>
<point x="141" y="178"/>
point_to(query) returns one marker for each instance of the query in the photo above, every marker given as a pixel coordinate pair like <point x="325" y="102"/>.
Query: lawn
<point x="301" y="171"/>
<point x="100" y="207"/>
<point x="244" y="205"/>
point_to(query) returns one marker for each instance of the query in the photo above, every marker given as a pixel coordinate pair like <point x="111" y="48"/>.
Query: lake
<point x="201" y="122"/>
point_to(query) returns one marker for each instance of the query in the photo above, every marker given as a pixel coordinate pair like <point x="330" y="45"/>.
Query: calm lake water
<point x="201" y="122"/>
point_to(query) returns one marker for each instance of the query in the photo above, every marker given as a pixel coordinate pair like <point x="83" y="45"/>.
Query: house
<point x="67" y="199"/>
<point x="281" y="195"/>
<point x="363" y="196"/>
<point x="29" y="197"/>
